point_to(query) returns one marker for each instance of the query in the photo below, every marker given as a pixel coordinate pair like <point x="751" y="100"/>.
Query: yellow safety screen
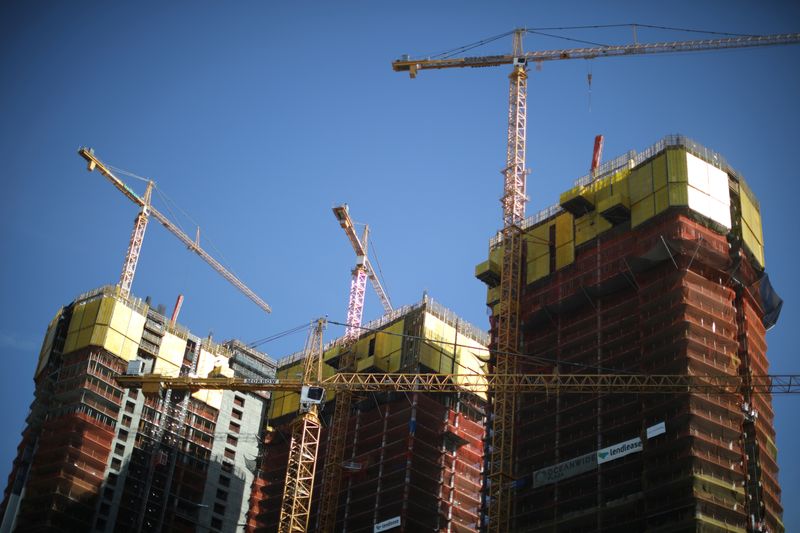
<point x="672" y="178"/>
<point x="106" y="322"/>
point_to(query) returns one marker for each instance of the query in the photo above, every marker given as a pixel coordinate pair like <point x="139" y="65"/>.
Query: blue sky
<point x="256" y="118"/>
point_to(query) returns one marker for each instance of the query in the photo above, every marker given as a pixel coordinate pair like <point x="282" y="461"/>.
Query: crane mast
<point x="135" y="244"/>
<point x="147" y="210"/>
<point x="298" y="487"/>
<point x="506" y="339"/>
<point x="332" y="471"/>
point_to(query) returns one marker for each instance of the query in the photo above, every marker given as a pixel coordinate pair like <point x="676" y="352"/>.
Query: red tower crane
<point x="140" y="225"/>
<point x="506" y="338"/>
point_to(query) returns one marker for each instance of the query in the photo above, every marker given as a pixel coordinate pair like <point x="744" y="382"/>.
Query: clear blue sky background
<point x="257" y="117"/>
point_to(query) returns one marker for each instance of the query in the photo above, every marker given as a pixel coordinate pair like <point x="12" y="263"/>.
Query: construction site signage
<point x="658" y="429"/>
<point x="386" y="525"/>
<point x="572" y="467"/>
<point x="618" y="451"/>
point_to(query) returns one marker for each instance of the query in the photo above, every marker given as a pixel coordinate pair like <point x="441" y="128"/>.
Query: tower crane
<point x="140" y="225"/>
<point x="506" y="338"/>
<point x="304" y="445"/>
<point x="332" y="471"/>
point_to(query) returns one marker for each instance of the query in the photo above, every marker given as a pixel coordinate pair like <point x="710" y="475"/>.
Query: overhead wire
<point x="277" y="336"/>
<point x="530" y="357"/>
<point x="378" y="264"/>
<point x="540" y="31"/>
<point x="637" y="25"/>
<point x="565" y="38"/>
<point x="127" y="173"/>
<point x="450" y="53"/>
<point x="167" y="201"/>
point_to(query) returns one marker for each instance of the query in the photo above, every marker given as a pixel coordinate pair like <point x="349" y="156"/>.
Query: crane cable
<point x="447" y="54"/>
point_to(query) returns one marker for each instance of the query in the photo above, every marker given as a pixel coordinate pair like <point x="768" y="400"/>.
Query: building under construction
<point x="412" y="460"/>
<point x="97" y="457"/>
<point x="654" y="264"/>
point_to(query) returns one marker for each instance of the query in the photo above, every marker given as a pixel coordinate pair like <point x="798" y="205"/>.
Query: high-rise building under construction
<point x="653" y="264"/>
<point x="97" y="457"/>
<point x="412" y="461"/>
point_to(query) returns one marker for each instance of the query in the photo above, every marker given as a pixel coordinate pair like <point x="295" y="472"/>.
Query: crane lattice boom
<point x="477" y="383"/>
<point x="413" y="65"/>
<point x="147" y="209"/>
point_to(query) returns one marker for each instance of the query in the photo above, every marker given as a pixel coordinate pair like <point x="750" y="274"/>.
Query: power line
<point x="531" y="357"/>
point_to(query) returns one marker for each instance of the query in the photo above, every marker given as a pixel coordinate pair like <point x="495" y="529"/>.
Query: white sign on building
<point x="618" y="451"/>
<point x="386" y="525"/>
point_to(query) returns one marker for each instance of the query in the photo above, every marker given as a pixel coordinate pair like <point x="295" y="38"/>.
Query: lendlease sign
<point x="573" y="467"/>
<point x="619" y="450"/>
<point x="585" y="463"/>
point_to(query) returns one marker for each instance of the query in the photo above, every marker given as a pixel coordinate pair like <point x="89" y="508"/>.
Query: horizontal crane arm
<point x="518" y="383"/>
<point x="224" y="272"/>
<point x="413" y="65"/>
<point x="95" y="163"/>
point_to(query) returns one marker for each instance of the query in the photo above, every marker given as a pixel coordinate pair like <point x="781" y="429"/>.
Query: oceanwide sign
<point x="573" y="467"/>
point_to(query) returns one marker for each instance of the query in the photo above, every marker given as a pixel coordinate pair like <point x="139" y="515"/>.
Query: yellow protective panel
<point x="678" y="194"/>
<point x="275" y="405"/>
<point x="70" y="342"/>
<point x="106" y="308"/>
<point x="129" y="349"/>
<point x="536" y="248"/>
<point x="565" y="229"/>
<point x="614" y="200"/>
<point x="90" y="313"/>
<point x="201" y="395"/>
<point x="493" y="295"/>
<point x="99" y="335"/>
<point x="538" y="268"/>
<point x="172" y="349"/>
<point x="205" y="363"/>
<point x="585" y="228"/>
<point x="113" y="342"/>
<point x="291" y="403"/>
<point x="496" y="256"/>
<point x="365" y="362"/>
<point x="136" y="327"/>
<point x="47" y="344"/>
<point x="432" y="358"/>
<point x="392" y="345"/>
<point x="640" y="183"/>
<point x="332" y="352"/>
<point x="676" y="166"/>
<point x="538" y="240"/>
<point x="566" y="196"/>
<point x="659" y="172"/>
<point x="601" y="188"/>
<point x="642" y="211"/>
<point x="121" y="318"/>
<point x="162" y="366"/>
<point x="565" y="255"/>
<point x="752" y="244"/>
<point x="84" y="337"/>
<point x="214" y="398"/>
<point x="392" y="363"/>
<point x="662" y="199"/>
<point x="77" y="316"/>
<point x="487" y="267"/>
<point x="751" y="216"/>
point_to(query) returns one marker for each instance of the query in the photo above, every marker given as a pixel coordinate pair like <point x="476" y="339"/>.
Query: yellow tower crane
<point x="298" y="488"/>
<point x="506" y="339"/>
<point x="140" y="224"/>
